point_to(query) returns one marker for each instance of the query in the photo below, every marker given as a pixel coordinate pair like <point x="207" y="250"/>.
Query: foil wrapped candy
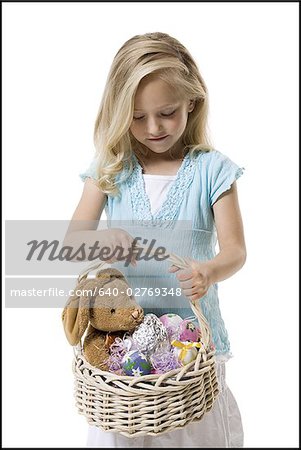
<point x="150" y="334"/>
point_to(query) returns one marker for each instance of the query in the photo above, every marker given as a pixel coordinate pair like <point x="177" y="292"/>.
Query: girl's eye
<point x="169" y="114"/>
<point x="163" y="115"/>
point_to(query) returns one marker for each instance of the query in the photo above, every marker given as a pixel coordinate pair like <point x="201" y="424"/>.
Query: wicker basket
<point x="149" y="404"/>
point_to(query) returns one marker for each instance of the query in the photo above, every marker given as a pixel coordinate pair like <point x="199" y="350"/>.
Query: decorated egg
<point x="188" y="331"/>
<point x="171" y="322"/>
<point x="136" y="364"/>
<point x="150" y="333"/>
<point x="186" y="351"/>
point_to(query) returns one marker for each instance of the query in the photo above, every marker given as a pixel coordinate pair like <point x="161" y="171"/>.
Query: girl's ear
<point x="76" y="314"/>
<point x="191" y="105"/>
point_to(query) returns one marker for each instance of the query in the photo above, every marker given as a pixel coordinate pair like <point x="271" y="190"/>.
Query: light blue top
<point x="184" y="225"/>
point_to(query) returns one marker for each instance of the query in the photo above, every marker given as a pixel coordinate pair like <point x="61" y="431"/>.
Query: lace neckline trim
<point x="140" y="201"/>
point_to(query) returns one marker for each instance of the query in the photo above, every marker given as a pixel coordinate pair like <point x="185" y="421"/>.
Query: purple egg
<point x="172" y="323"/>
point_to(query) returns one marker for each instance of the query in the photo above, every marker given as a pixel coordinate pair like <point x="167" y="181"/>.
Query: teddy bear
<point x="105" y="305"/>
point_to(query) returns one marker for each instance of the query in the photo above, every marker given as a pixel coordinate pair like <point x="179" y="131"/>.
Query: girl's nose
<point x="153" y="127"/>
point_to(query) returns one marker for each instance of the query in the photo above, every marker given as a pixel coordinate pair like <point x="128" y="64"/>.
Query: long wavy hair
<point x="138" y="57"/>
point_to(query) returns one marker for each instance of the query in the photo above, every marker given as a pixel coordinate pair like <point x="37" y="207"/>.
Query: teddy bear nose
<point x="135" y="314"/>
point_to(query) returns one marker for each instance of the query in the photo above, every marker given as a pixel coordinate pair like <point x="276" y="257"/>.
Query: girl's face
<point x="160" y="116"/>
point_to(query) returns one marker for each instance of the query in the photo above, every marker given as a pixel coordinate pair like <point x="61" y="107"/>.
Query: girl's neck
<point x="166" y="163"/>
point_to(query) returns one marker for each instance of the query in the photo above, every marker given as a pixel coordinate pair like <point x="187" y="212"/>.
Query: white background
<point x="56" y="57"/>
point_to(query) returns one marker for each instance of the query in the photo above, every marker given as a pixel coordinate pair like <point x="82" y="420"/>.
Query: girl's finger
<point x="188" y="289"/>
<point x="198" y="296"/>
<point x="184" y="275"/>
<point x="126" y="249"/>
<point x="133" y="262"/>
<point x="173" y="269"/>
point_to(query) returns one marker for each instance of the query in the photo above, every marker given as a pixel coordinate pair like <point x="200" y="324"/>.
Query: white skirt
<point x="221" y="427"/>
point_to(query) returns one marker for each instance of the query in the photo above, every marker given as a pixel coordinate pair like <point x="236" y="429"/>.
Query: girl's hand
<point x="195" y="280"/>
<point x="117" y="237"/>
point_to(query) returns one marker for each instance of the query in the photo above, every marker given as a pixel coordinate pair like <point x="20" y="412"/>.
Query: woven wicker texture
<point x="149" y="404"/>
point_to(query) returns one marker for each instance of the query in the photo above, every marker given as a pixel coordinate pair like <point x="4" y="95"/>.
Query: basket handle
<point x="181" y="264"/>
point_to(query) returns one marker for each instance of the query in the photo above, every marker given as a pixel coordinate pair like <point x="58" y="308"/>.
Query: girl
<point x="154" y="166"/>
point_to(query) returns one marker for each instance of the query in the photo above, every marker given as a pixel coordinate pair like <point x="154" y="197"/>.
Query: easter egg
<point x="171" y="322"/>
<point x="150" y="333"/>
<point x="185" y="352"/>
<point x="188" y="331"/>
<point x="136" y="364"/>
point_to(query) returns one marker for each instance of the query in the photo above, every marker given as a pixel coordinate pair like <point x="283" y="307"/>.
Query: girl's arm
<point x="91" y="204"/>
<point x="84" y="222"/>
<point x="88" y="211"/>
<point x="196" y="280"/>
<point x="230" y="235"/>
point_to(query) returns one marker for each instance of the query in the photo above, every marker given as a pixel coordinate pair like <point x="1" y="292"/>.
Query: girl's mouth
<point x="158" y="139"/>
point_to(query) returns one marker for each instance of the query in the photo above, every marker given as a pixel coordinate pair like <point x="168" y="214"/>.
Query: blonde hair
<point x="138" y="57"/>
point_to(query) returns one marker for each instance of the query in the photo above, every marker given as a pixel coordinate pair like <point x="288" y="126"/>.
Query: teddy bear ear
<point x="76" y="313"/>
